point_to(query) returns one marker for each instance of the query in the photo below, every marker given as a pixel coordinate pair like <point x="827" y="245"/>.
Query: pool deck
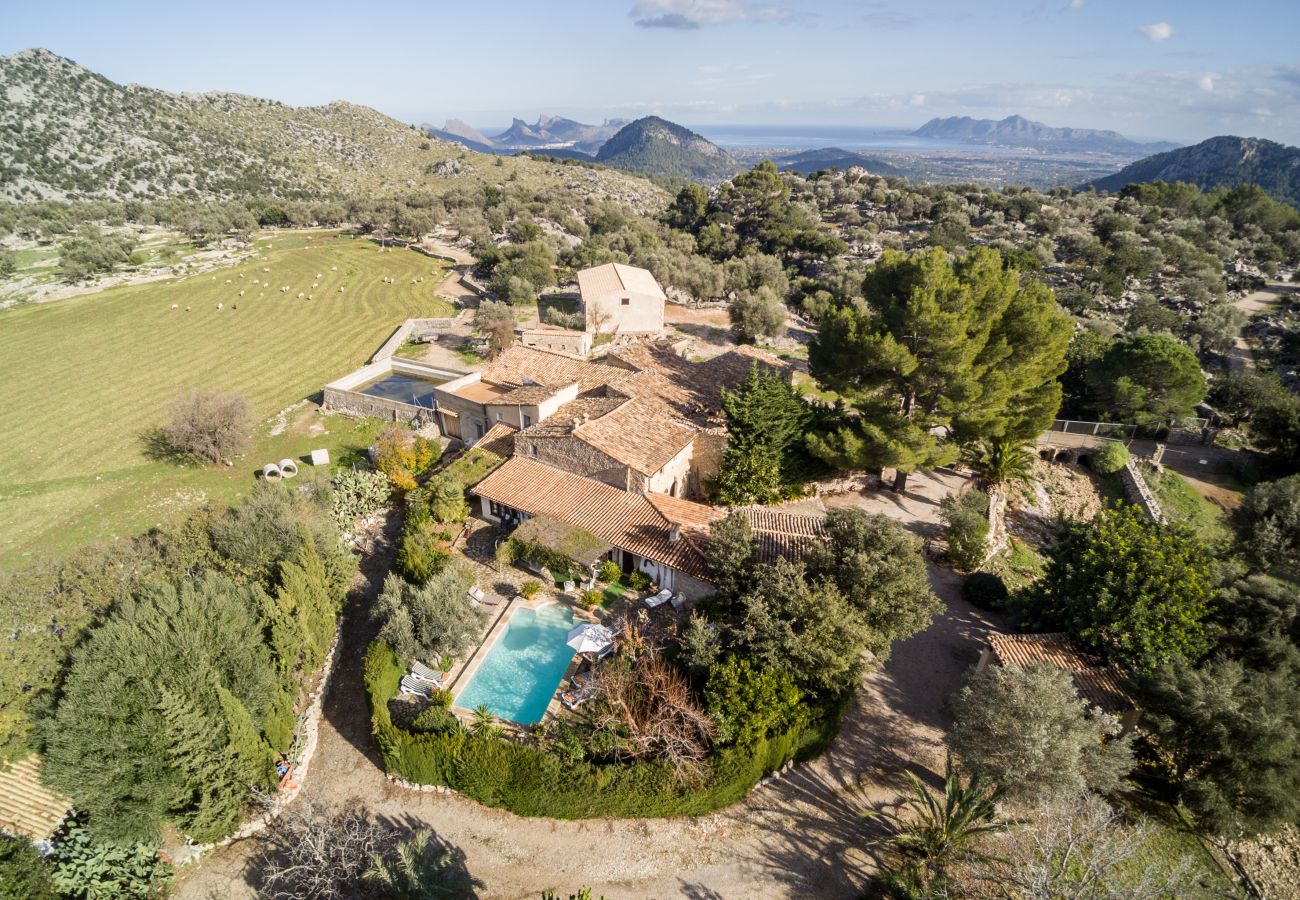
<point x="498" y="628"/>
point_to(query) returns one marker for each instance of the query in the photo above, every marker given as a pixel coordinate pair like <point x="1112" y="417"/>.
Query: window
<point x="499" y="510"/>
<point x="532" y="450"/>
<point x="498" y="417"/>
<point x="528" y="420"/>
<point x="627" y="301"/>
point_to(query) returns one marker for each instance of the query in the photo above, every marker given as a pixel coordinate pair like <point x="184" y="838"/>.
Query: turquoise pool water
<point x="519" y="675"/>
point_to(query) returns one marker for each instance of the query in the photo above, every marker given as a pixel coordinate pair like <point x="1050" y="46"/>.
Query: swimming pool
<point x="406" y="388"/>
<point x="521" y="671"/>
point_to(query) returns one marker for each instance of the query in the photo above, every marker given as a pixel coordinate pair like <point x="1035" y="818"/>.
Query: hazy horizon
<point x="1152" y="69"/>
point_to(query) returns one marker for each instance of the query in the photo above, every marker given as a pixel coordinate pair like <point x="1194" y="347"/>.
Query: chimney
<point x="674" y="533"/>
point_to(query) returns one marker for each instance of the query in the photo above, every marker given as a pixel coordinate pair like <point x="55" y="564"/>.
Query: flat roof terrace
<point x="481" y="392"/>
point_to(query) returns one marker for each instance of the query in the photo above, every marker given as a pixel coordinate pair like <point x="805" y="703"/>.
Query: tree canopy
<point x="966" y="348"/>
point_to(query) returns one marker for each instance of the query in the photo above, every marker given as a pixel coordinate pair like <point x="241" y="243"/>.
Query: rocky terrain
<point x="1017" y="131"/>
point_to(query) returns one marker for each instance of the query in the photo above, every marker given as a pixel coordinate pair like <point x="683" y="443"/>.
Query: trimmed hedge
<point x="531" y="782"/>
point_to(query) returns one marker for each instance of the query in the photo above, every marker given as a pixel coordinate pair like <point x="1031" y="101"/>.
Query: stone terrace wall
<point x="1139" y="491"/>
<point x="409" y="327"/>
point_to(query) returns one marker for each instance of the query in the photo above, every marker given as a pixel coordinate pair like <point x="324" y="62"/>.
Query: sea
<point x="845" y="137"/>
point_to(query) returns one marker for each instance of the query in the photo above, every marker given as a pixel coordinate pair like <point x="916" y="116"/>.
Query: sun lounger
<point x="679" y="601"/>
<point x="570" y="587"/>
<point x="476" y="594"/>
<point x="605" y="651"/>
<point x="416" y="687"/>
<point x="659" y="599"/>
<point x="581" y="679"/>
<point x="574" y="699"/>
<point x="421" y="672"/>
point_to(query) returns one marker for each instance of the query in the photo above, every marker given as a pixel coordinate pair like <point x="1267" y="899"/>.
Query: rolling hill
<point x="1017" y="131"/>
<point x="655" y="146"/>
<point x="810" y="161"/>
<point x="1220" y="162"/>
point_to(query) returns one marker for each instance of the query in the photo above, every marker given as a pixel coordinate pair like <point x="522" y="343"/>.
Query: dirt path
<point x="798" y="836"/>
<point x="1240" y="358"/>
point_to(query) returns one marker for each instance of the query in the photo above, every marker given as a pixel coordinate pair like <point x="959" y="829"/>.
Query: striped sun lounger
<point x="416" y="687"/>
<point x="659" y="599"/>
<point x="421" y="672"/>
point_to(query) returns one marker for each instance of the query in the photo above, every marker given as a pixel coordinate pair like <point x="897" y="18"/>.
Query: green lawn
<point x="1019" y="565"/>
<point x="1180" y="502"/>
<point x="82" y="379"/>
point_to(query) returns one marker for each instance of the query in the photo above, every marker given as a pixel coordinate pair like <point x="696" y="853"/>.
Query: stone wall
<point x="353" y="403"/>
<point x="573" y="455"/>
<point x="1139" y="491"/>
<point x="409" y="327"/>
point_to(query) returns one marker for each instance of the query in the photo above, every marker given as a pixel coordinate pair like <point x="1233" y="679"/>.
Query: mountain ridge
<point x="1223" y="161"/>
<point x="1017" y="131"/>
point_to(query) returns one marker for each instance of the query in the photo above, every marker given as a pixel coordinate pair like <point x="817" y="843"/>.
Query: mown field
<point x="82" y="380"/>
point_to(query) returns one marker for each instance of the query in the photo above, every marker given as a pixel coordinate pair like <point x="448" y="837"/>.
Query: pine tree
<point x="940" y="353"/>
<point x="212" y="791"/>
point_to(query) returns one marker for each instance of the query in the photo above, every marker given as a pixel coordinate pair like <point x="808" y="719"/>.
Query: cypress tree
<point x="213" y="779"/>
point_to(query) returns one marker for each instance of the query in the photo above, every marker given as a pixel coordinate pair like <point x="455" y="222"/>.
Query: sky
<point x="1181" y="71"/>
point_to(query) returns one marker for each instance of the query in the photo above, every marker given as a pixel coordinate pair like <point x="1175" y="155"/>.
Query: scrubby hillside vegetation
<point x="67" y="133"/>
<point x="1220" y="162"/>
<point x="656" y="146"/>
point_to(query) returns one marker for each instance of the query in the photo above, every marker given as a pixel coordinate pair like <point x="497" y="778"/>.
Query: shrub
<point x="357" y="493"/>
<point x="748" y="703"/>
<point x="984" y="590"/>
<point x="637" y="581"/>
<point x="23" y="874"/>
<point x="431" y="620"/>
<point x="592" y="598"/>
<point x="529" y="589"/>
<point x="403" y="456"/>
<point x="609" y="571"/>
<point x="423" y="552"/>
<point x="208" y="426"/>
<point x="1110" y="457"/>
<point x="1029" y="730"/>
<point x="83" y="868"/>
<point x="966" y="515"/>
<point x="441" y="498"/>
<point x="530" y="781"/>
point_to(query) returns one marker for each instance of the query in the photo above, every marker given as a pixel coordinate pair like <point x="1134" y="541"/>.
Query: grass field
<point x="1180" y="502"/>
<point x="81" y="380"/>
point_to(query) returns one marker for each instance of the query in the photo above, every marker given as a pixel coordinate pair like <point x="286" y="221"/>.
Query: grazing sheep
<point x="340" y="288"/>
<point x="227" y="281"/>
<point x="334" y="268"/>
<point x="309" y="297"/>
<point x="187" y="309"/>
<point x="318" y="276"/>
<point x="234" y="306"/>
<point x="219" y="305"/>
<point x="176" y="306"/>
<point x="301" y="295"/>
<point x="241" y="293"/>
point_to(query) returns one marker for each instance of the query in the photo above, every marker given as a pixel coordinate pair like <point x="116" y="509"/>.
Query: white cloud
<point x="1076" y="4"/>
<point x="1206" y="81"/>
<point x="1157" y="31"/>
<point x="692" y="14"/>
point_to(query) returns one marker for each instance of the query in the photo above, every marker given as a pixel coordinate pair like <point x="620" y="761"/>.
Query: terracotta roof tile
<point x="1099" y="684"/>
<point x="520" y="365"/>
<point x="499" y="439"/>
<point x="638" y="434"/>
<point x="27" y="807"/>
<point x="615" y="277"/>
<point x="625" y="520"/>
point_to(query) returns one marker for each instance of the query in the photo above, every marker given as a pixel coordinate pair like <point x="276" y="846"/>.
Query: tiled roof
<point x="625" y="520"/>
<point x="520" y="365"/>
<point x="27" y="807"/>
<point x="638" y="434"/>
<point x="615" y="277"/>
<point x="691" y="389"/>
<point x="527" y="394"/>
<point x="499" y="439"/>
<point x="686" y="513"/>
<point x="1097" y="683"/>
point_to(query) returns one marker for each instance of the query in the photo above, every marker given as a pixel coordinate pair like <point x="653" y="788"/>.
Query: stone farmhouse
<point x="640" y="419"/>
<point x="614" y="446"/>
<point x="621" y="299"/>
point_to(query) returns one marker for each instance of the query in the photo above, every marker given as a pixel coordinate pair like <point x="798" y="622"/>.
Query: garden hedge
<point x="529" y="781"/>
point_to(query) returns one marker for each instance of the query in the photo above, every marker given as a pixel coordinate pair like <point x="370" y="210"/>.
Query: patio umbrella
<point x="590" y="637"/>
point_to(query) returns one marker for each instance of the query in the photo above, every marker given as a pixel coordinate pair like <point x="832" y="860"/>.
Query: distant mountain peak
<point x="656" y="146"/>
<point x="1017" y="131"/>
